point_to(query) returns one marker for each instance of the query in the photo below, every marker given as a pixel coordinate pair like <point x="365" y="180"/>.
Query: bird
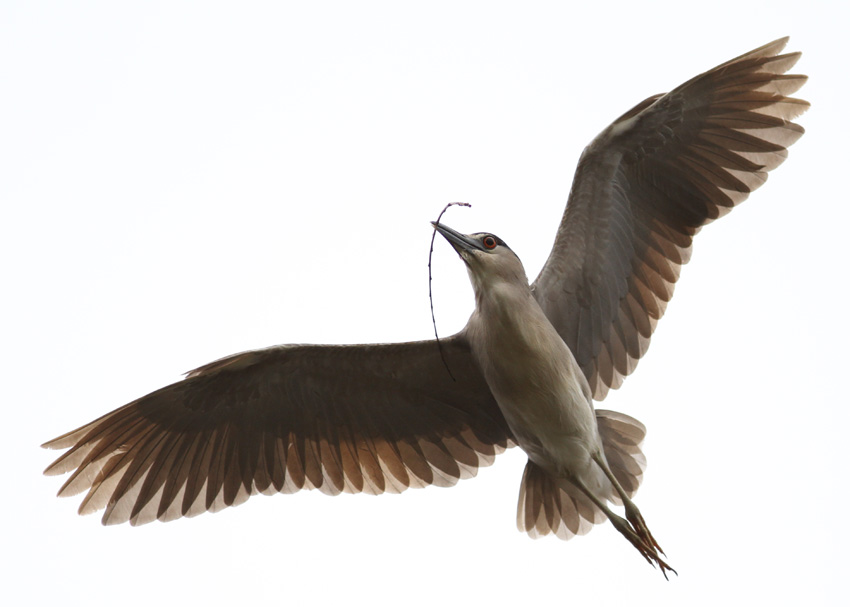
<point x="547" y="403"/>
<point x="525" y="370"/>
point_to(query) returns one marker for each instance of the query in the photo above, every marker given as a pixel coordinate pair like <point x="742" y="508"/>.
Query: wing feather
<point x="643" y="189"/>
<point x="371" y="419"/>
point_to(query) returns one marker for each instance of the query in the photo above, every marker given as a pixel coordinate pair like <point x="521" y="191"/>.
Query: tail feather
<point x="621" y="439"/>
<point x="549" y="505"/>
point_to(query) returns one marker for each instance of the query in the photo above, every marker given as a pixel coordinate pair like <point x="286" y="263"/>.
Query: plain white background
<point x="181" y="181"/>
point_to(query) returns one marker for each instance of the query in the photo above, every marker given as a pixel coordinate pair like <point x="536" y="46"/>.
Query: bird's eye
<point x="489" y="242"/>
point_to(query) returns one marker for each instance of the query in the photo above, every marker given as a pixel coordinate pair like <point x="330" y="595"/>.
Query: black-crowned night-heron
<point x="382" y="418"/>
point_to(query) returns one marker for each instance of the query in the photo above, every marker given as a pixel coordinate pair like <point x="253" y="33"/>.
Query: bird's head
<point x="489" y="261"/>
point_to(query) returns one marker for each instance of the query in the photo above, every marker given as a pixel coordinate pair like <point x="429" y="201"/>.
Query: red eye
<point x="489" y="242"/>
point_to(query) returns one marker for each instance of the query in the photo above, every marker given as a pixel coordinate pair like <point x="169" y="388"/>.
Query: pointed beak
<point x="459" y="241"/>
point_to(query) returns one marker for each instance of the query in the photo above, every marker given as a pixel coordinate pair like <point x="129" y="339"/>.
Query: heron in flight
<point x="524" y="371"/>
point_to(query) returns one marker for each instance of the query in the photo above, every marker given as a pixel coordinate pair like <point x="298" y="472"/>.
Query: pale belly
<point x="542" y="393"/>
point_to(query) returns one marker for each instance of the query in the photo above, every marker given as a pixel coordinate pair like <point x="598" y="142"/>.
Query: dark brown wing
<point x="372" y="419"/>
<point x="642" y="190"/>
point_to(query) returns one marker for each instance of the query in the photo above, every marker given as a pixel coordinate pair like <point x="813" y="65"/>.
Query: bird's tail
<point x="550" y="505"/>
<point x="622" y="436"/>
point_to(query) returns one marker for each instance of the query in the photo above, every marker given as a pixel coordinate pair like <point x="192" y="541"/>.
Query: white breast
<point x="536" y="381"/>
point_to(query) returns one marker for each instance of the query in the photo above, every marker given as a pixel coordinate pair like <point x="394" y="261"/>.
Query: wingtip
<point x="56" y="443"/>
<point x="771" y="48"/>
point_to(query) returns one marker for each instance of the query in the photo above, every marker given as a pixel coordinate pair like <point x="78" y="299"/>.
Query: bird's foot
<point x="639" y="525"/>
<point x="640" y="537"/>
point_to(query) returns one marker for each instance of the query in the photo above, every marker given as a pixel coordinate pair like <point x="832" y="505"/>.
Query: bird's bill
<point x="460" y="242"/>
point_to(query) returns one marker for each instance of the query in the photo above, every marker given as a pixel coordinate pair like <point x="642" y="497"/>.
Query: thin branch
<point x="430" y="293"/>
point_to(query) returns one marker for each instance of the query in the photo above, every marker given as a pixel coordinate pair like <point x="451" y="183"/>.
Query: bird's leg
<point x="629" y="530"/>
<point x="636" y="519"/>
<point x="632" y="513"/>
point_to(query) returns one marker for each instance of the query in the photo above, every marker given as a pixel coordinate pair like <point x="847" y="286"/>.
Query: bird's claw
<point x="636" y="531"/>
<point x="651" y="555"/>
<point x="639" y="525"/>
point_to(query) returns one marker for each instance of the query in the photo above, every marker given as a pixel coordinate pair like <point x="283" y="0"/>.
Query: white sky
<point x="182" y="181"/>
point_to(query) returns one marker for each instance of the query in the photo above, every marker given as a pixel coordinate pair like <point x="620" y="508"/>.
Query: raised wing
<point x="372" y="419"/>
<point x="642" y="190"/>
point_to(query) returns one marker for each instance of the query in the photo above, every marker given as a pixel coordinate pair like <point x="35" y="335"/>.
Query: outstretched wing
<point x="642" y="190"/>
<point x="367" y="418"/>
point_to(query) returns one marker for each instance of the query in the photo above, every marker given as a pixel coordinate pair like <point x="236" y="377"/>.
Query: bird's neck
<point x="502" y="301"/>
<point x="509" y="315"/>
